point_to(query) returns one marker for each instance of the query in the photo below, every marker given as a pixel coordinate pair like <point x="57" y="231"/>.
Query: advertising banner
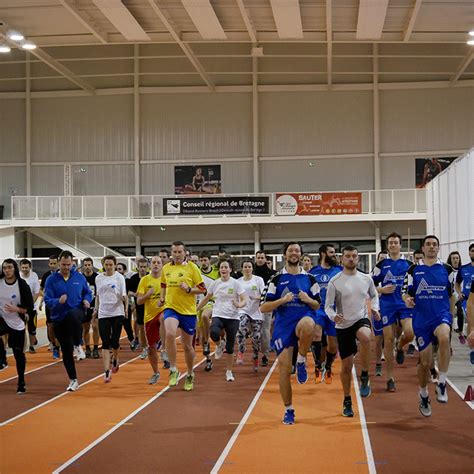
<point x="427" y="168"/>
<point x="199" y="179"/>
<point x="185" y="206"/>
<point x="311" y="204"/>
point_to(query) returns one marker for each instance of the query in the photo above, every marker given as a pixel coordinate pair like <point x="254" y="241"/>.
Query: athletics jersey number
<point x="278" y="344"/>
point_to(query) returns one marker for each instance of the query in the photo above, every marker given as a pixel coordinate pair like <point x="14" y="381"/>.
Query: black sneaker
<point x="378" y="370"/>
<point x="208" y="366"/>
<point x="88" y="353"/>
<point x="166" y="364"/>
<point x="264" y="362"/>
<point x="365" y="389"/>
<point x="21" y="388"/>
<point x="400" y="357"/>
<point x="32" y="350"/>
<point x="3" y="365"/>
<point x="411" y="349"/>
<point x="347" y="409"/>
<point x="95" y="353"/>
<point x="391" y="386"/>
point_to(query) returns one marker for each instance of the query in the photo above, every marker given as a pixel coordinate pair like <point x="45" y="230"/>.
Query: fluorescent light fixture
<point x="28" y="45"/>
<point x="471" y="33"/>
<point x="470" y="42"/>
<point x="15" y="36"/>
<point x="4" y="48"/>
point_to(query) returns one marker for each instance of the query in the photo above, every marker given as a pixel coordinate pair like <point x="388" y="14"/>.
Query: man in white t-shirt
<point x="348" y="291"/>
<point x="111" y="307"/>
<point x="33" y="282"/>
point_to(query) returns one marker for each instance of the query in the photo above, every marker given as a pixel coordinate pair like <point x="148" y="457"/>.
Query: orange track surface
<point x="321" y="439"/>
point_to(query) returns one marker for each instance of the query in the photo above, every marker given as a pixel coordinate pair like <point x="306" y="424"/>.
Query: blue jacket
<point x="76" y="289"/>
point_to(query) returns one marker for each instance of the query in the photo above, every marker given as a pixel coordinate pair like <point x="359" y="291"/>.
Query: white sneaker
<point x="80" y="354"/>
<point x="73" y="385"/>
<point x="144" y="354"/>
<point x="219" y="350"/>
<point x="441" y="393"/>
<point x="75" y="352"/>
<point x="229" y="376"/>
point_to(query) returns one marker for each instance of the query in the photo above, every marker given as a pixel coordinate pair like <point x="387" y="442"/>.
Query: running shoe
<point x="255" y="364"/>
<point x="229" y="376"/>
<point x="208" y="366"/>
<point x="73" y="385"/>
<point x="434" y="376"/>
<point x="95" y="353"/>
<point x="327" y="376"/>
<point x="32" y="350"/>
<point x="80" y="354"/>
<point x="108" y="376"/>
<point x="240" y="358"/>
<point x="134" y="345"/>
<point x="56" y="354"/>
<point x="317" y="375"/>
<point x="425" y="405"/>
<point x="21" y="388"/>
<point x="88" y="353"/>
<point x="264" y="361"/>
<point x="441" y="393"/>
<point x="173" y="379"/>
<point x="115" y="366"/>
<point x="347" y="409"/>
<point x="3" y="365"/>
<point x="189" y="382"/>
<point x="144" y="354"/>
<point x="206" y="349"/>
<point x="154" y="379"/>
<point x="378" y="370"/>
<point x="391" y="386"/>
<point x="166" y="364"/>
<point x="365" y="389"/>
<point x="289" y="417"/>
<point x="382" y="358"/>
<point x="411" y="349"/>
<point x="462" y="338"/>
<point x="219" y="350"/>
<point x="301" y="372"/>
<point x="400" y="357"/>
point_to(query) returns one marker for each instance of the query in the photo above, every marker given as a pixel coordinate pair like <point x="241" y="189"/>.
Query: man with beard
<point x="346" y="305"/>
<point x="262" y="270"/>
<point x="326" y="269"/>
<point x="293" y="295"/>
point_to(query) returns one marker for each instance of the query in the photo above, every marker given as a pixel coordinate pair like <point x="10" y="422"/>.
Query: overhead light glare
<point x="15" y="36"/>
<point x="470" y="42"/>
<point x="28" y="45"/>
<point x="471" y="33"/>
<point x="4" y="48"/>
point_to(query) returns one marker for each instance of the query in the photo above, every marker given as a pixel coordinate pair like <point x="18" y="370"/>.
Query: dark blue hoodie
<point x="76" y="289"/>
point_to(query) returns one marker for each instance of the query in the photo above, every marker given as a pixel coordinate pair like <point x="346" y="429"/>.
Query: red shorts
<point x="152" y="330"/>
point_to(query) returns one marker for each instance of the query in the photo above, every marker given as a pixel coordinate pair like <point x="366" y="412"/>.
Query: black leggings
<point x="16" y="340"/>
<point x="68" y="332"/>
<point x="460" y="316"/>
<point x="127" y="325"/>
<point x="109" y="330"/>
<point x="231" y="326"/>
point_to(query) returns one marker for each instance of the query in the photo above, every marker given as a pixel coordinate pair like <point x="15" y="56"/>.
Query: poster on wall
<point x="199" y="179"/>
<point x="427" y="168"/>
<point x="310" y="204"/>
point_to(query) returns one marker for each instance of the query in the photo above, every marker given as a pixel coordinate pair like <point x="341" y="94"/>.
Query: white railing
<point x="385" y="201"/>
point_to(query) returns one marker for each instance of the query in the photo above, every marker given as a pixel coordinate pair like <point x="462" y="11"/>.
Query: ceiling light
<point x="15" y="36"/>
<point x="4" y="48"/>
<point x="28" y="45"/>
<point x="470" y="42"/>
<point x="471" y="33"/>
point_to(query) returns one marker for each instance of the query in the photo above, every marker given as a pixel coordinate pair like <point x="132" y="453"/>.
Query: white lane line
<point x="118" y="425"/>
<point x="58" y="396"/>
<point x="363" y="424"/>
<point x="244" y="419"/>
<point x="451" y="384"/>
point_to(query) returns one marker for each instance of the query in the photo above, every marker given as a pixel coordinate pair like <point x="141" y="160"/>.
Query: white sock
<point x="442" y="377"/>
<point x="300" y="358"/>
<point x="424" y="392"/>
<point x="173" y="368"/>
<point x="289" y="407"/>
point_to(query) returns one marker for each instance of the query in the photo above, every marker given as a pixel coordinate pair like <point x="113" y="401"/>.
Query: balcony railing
<point x="130" y="207"/>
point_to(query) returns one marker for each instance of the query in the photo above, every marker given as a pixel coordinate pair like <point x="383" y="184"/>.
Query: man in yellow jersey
<point x="181" y="281"/>
<point x="209" y="274"/>
<point x="149" y="293"/>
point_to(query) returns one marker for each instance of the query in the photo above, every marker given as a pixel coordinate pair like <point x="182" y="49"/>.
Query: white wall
<point x="450" y="204"/>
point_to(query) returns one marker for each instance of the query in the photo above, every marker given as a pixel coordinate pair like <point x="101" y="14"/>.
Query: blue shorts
<point x="186" y="322"/>
<point x="284" y="332"/>
<point x="424" y="328"/>
<point x="322" y="319"/>
<point x="377" y="326"/>
<point x="392" y="315"/>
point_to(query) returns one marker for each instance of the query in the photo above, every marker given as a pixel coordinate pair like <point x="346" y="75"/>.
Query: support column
<point x="376" y="104"/>
<point x="255" y="119"/>
<point x="378" y="241"/>
<point x="138" y="245"/>
<point x="29" y="246"/>
<point x="136" y="119"/>
<point x="28" y="124"/>
<point x="256" y="237"/>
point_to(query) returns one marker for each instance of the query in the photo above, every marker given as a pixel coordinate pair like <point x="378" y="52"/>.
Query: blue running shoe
<point x="347" y="409"/>
<point x="365" y="389"/>
<point x="301" y="372"/>
<point x="289" y="418"/>
<point x="56" y="354"/>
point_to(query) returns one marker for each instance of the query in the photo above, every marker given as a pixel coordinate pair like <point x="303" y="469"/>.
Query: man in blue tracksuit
<point x="67" y="294"/>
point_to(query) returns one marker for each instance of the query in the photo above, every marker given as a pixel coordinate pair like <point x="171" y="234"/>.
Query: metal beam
<point x="287" y="15"/>
<point x="205" y="19"/>
<point x="371" y="19"/>
<point x="462" y="67"/>
<point x="53" y="64"/>
<point x="186" y="49"/>
<point x="411" y="23"/>
<point x="250" y="29"/>
<point x="329" y="39"/>
<point x="84" y="20"/>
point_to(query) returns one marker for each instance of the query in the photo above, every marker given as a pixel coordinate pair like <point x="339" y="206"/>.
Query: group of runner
<point x="328" y="309"/>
